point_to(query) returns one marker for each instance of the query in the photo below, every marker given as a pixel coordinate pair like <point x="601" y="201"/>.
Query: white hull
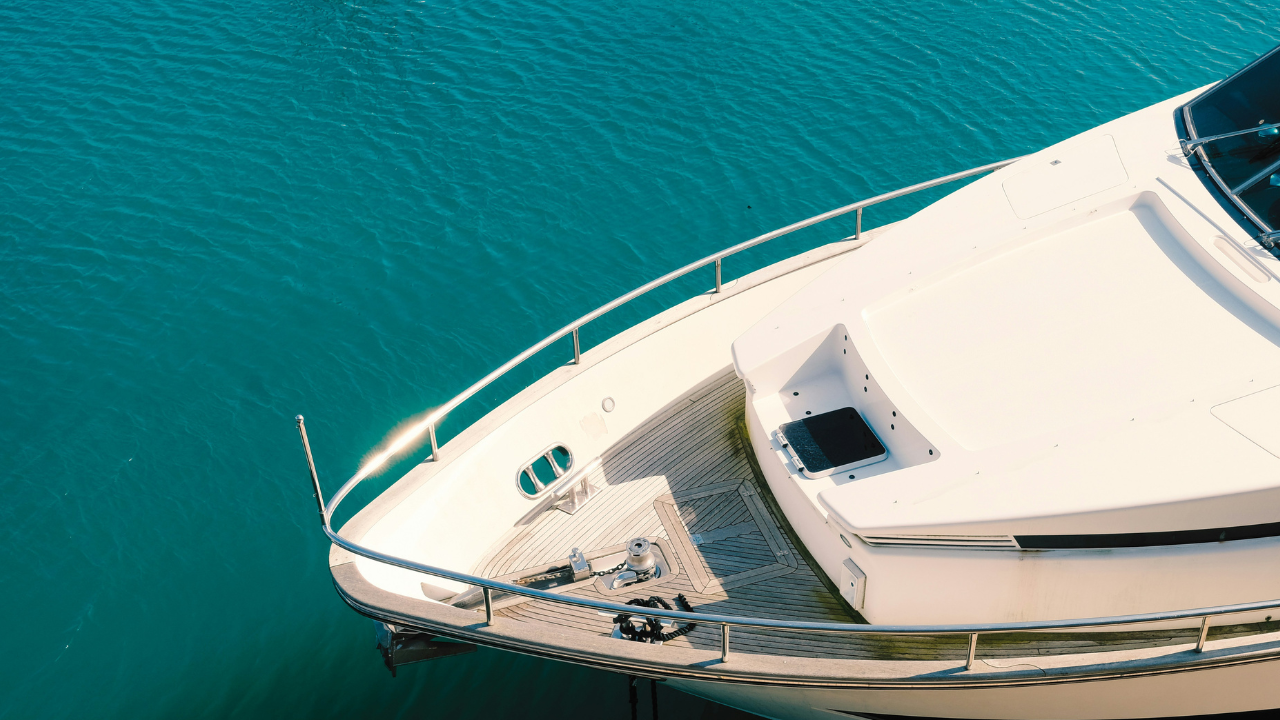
<point x="1238" y="688"/>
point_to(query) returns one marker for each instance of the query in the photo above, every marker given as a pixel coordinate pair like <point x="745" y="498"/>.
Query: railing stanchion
<point x="857" y="229"/>
<point x="1204" y="634"/>
<point x="577" y="349"/>
<point x="973" y="649"/>
<point x="718" y="274"/>
<point x="488" y="606"/>
<point x="435" y="449"/>
<point x="311" y="465"/>
<point x="724" y="643"/>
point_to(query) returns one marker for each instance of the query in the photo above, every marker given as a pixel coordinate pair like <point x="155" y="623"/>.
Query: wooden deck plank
<point x="550" y="531"/>
<point x="686" y="553"/>
<point x="685" y="472"/>
<point x="548" y="526"/>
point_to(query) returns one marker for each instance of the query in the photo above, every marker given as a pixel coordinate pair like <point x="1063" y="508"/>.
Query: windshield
<point x="1246" y="167"/>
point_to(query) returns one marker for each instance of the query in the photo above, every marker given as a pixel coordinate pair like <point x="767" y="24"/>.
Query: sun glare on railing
<point x="402" y="441"/>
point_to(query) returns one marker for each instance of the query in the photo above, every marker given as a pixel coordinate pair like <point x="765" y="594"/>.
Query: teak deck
<point x="686" y="480"/>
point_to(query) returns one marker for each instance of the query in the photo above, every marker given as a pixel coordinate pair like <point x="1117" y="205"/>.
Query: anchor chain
<point x="554" y="574"/>
<point x="651" y="630"/>
<point x="564" y="572"/>
<point x="610" y="571"/>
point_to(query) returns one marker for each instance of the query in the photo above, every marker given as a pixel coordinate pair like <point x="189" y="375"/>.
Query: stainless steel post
<point x="435" y="449"/>
<point x="1204" y="634"/>
<point x="488" y="606"/>
<point x="718" y="275"/>
<point x="857" y="229"/>
<point x="973" y="649"/>
<point x="577" y="349"/>
<point x="311" y="465"/>
<point x="724" y="643"/>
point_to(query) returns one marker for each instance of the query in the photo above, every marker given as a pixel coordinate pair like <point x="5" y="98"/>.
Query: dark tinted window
<point x="1247" y="100"/>
<point x="1264" y="198"/>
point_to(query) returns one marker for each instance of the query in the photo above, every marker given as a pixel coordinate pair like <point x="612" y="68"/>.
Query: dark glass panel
<point x="1244" y="101"/>
<point x="1264" y="198"/>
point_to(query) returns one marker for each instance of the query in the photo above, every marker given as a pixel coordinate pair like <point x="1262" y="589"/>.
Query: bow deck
<point x="687" y="473"/>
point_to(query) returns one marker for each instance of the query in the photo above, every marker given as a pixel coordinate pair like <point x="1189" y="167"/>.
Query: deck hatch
<point x="840" y="438"/>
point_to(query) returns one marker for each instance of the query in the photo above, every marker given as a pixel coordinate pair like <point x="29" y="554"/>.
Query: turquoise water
<point x="214" y="216"/>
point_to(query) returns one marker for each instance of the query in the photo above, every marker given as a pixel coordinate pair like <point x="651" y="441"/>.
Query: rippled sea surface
<point x="214" y="216"/>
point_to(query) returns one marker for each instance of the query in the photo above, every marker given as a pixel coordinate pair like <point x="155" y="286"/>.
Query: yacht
<point x="1015" y="456"/>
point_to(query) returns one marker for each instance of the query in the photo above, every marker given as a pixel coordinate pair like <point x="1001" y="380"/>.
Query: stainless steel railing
<point x="487" y="585"/>
<point x="432" y="421"/>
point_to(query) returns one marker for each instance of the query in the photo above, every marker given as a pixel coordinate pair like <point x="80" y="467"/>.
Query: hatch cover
<point x="1063" y="176"/>
<point x="833" y="440"/>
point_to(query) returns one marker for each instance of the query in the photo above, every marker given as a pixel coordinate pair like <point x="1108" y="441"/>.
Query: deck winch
<point x="639" y="566"/>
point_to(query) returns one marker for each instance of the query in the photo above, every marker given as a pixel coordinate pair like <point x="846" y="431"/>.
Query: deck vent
<point x="951" y="542"/>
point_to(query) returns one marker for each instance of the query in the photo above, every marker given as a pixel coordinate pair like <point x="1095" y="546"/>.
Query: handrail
<point x="725" y="621"/>
<point x="854" y="628"/>
<point x="429" y="423"/>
